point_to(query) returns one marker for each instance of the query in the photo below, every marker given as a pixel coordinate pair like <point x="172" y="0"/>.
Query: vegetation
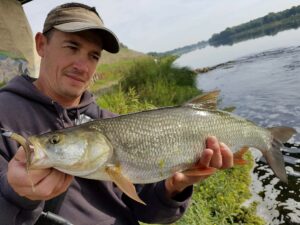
<point x="270" y="24"/>
<point x="109" y="74"/>
<point x="146" y="84"/>
<point x="181" y="50"/>
<point x="158" y="82"/>
<point x="218" y="199"/>
<point x="112" y="68"/>
<point x="125" y="54"/>
<point x="123" y="103"/>
<point x="12" y="55"/>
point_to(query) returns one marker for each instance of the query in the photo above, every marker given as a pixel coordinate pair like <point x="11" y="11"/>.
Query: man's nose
<point x="81" y="64"/>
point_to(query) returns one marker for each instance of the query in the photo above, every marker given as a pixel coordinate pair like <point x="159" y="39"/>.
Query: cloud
<point x="161" y="25"/>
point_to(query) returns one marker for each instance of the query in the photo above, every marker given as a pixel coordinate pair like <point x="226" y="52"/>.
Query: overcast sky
<point x="161" y="25"/>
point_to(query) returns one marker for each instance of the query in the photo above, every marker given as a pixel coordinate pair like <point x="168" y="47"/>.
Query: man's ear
<point x="40" y="43"/>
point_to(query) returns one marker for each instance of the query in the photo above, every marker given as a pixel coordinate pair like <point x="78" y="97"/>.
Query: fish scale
<point x="154" y="144"/>
<point x="150" y="146"/>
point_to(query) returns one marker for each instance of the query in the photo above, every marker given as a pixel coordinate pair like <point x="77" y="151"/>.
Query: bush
<point x="122" y="103"/>
<point x="158" y="82"/>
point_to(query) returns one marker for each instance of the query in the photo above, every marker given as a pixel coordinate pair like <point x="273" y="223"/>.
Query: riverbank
<point x="150" y="83"/>
<point x="210" y="68"/>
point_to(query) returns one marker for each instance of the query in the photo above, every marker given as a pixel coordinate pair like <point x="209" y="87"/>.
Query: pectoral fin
<point x="207" y="100"/>
<point x="123" y="183"/>
<point x="238" y="156"/>
<point x="196" y="171"/>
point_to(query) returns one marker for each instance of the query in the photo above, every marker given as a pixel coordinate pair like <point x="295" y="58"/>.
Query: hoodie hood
<point x="23" y="87"/>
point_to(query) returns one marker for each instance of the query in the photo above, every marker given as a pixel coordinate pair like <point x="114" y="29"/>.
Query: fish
<point x="150" y="146"/>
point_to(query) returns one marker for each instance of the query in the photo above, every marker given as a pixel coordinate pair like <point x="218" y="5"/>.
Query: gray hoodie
<point x="27" y="111"/>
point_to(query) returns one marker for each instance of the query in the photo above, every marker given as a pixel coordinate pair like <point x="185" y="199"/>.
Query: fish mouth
<point x="37" y="154"/>
<point x="25" y="143"/>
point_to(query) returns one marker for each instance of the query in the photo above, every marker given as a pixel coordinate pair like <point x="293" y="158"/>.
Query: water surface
<point x="263" y="83"/>
<point x="211" y="56"/>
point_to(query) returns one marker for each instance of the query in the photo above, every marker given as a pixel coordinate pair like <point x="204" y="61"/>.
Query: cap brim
<point x="109" y="39"/>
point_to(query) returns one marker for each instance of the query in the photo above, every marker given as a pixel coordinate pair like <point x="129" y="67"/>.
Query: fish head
<point x="56" y="148"/>
<point x="74" y="151"/>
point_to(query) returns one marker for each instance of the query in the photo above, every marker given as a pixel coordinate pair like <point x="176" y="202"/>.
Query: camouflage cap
<point x="78" y="18"/>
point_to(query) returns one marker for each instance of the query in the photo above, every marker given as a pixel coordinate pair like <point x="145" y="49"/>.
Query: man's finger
<point x="20" y="155"/>
<point x="213" y="144"/>
<point x="227" y="156"/>
<point x="205" y="159"/>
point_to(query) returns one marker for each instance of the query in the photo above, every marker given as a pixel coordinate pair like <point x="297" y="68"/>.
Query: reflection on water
<point x="211" y="56"/>
<point x="264" y="88"/>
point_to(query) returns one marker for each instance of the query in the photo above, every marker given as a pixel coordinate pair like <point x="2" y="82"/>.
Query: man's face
<point x="68" y="63"/>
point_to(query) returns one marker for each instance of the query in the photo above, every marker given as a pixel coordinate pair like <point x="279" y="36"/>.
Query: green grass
<point x="158" y="82"/>
<point x="122" y="103"/>
<point x="112" y="67"/>
<point x="155" y="82"/>
<point x="107" y="74"/>
<point x="218" y="199"/>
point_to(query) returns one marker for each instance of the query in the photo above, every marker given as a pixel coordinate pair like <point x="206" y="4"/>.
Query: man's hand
<point x="47" y="183"/>
<point x="216" y="155"/>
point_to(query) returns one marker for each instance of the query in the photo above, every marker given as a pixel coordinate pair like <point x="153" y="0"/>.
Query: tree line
<point x="180" y="51"/>
<point x="270" y="24"/>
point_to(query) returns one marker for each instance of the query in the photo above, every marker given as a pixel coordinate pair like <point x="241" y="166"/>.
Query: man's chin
<point x="73" y="93"/>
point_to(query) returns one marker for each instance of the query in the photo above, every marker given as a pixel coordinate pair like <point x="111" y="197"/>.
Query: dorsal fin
<point x="207" y="100"/>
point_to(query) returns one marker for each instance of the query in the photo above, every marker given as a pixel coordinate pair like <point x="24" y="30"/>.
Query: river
<point x="262" y="80"/>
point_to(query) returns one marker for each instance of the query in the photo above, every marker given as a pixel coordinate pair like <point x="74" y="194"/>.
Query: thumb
<point x="20" y="155"/>
<point x="177" y="183"/>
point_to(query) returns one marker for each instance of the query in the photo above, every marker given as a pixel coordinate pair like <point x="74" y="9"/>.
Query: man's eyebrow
<point x="71" y="42"/>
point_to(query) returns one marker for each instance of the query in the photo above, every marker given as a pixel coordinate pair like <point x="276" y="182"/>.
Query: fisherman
<point x="70" y="48"/>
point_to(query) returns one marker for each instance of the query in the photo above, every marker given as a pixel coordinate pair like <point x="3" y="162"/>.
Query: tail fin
<point x="282" y="134"/>
<point x="273" y="155"/>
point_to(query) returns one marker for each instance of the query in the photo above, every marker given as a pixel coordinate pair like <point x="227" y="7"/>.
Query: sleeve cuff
<point x="178" y="200"/>
<point x="10" y="195"/>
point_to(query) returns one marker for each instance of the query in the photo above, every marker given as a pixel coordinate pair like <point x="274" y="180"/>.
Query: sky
<point x="162" y="25"/>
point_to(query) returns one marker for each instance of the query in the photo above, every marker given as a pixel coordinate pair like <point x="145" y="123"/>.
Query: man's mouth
<point x="75" y="78"/>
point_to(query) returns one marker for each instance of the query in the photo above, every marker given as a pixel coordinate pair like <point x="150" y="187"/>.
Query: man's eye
<point x="96" y="57"/>
<point x="72" y="48"/>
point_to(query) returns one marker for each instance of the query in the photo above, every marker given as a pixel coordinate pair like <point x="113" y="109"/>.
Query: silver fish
<point x="152" y="145"/>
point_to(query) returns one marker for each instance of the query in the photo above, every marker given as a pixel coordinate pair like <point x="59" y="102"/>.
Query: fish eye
<point x="54" y="139"/>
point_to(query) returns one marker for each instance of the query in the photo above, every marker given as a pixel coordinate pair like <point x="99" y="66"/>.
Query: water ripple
<point x="264" y="88"/>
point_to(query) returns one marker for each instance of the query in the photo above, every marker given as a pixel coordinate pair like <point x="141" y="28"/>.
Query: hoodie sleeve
<point x="159" y="208"/>
<point x="15" y="209"/>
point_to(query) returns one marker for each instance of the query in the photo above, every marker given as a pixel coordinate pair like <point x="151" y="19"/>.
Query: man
<point x="70" y="48"/>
